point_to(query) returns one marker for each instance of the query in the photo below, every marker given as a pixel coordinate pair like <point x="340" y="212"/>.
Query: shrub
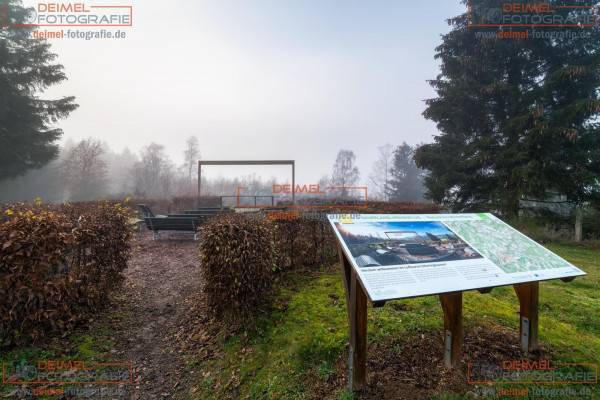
<point x="303" y="242"/>
<point x="238" y="260"/>
<point x="303" y="238"/>
<point x="240" y="254"/>
<point x="382" y="207"/>
<point x="57" y="264"/>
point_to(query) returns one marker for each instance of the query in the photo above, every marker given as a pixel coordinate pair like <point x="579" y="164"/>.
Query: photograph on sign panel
<point x="376" y="244"/>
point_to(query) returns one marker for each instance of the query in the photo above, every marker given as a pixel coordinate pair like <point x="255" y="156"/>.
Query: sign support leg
<point x="356" y="301"/>
<point x="528" y="294"/>
<point x="453" y="328"/>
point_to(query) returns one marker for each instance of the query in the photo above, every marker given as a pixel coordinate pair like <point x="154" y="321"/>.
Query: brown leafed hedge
<point x="241" y="255"/>
<point x="304" y="237"/>
<point x="303" y="242"/>
<point x="57" y="264"/>
<point x="238" y="260"/>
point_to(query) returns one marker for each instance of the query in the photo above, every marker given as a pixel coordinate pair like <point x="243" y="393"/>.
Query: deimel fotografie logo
<point x="532" y="15"/>
<point x="44" y="14"/>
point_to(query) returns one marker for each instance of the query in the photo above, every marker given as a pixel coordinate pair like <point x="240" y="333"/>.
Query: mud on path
<point x="162" y="311"/>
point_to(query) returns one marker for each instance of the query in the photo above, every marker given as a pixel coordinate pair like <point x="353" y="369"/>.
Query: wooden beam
<point x="453" y="328"/>
<point x="346" y="276"/>
<point x="356" y="301"/>
<point x="528" y="294"/>
<point x="358" y="334"/>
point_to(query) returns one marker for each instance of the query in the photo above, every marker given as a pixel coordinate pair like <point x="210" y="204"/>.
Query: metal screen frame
<point x="249" y="162"/>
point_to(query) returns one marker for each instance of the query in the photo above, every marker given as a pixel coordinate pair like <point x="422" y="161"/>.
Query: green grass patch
<point x="299" y="343"/>
<point x="91" y="344"/>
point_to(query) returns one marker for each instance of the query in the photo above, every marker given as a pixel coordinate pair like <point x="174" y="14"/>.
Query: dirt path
<point x="162" y="280"/>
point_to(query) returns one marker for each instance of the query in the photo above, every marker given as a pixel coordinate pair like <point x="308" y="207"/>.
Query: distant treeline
<point x="91" y="170"/>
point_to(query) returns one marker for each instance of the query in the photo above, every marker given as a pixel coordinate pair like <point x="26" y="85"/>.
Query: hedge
<point x="57" y="264"/>
<point x="238" y="261"/>
<point x="304" y="238"/>
<point x="241" y="254"/>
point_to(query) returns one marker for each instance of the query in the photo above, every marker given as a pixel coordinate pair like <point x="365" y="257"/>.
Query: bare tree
<point x="345" y="172"/>
<point x="119" y="181"/>
<point x="154" y="174"/>
<point x="324" y="184"/>
<point x="84" y="170"/>
<point x="381" y="173"/>
<point x="191" y="154"/>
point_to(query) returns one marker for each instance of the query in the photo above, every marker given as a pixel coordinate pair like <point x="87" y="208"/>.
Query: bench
<point x="201" y="218"/>
<point x="214" y="211"/>
<point x="196" y="215"/>
<point x="177" y="224"/>
<point x="146" y="211"/>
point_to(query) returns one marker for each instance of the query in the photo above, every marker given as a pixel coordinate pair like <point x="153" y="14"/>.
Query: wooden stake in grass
<point x="528" y="294"/>
<point x="356" y="300"/>
<point x="453" y="328"/>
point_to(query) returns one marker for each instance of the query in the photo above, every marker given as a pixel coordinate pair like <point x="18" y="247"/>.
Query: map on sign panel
<point x="398" y="256"/>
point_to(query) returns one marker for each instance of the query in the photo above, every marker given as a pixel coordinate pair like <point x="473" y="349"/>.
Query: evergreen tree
<point x="27" y="68"/>
<point x="406" y="183"/>
<point x="518" y="118"/>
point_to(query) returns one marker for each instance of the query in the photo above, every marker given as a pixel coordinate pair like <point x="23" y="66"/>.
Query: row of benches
<point x="189" y="221"/>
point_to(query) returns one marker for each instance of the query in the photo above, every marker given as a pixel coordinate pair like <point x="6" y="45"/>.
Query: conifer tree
<point x="27" y="67"/>
<point x="517" y="118"/>
<point x="406" y="182"/>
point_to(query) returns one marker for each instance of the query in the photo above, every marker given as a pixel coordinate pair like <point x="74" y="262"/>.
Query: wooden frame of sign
<point x="357" y="300"/>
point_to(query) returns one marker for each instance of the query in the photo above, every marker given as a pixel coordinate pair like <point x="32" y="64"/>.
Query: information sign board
<point x="410" y="255"/>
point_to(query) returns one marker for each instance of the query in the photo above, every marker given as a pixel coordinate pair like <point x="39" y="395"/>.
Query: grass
<point x="293" y="352"/>
<point x="296" y="349"/>
<point x="91" y="345"/>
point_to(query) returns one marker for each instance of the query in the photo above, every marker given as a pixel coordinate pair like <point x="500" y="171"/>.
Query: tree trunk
<point x="578" y="223"/>
<point x="511" y="207"/>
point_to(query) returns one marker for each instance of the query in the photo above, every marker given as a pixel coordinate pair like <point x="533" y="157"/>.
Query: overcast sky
<point x="260" y="79"/>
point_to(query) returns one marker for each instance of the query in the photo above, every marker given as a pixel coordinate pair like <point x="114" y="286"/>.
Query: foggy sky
<point x="260" y="79"/>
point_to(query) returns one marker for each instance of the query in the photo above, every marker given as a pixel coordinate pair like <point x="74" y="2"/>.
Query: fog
<point x="259" y="79"/>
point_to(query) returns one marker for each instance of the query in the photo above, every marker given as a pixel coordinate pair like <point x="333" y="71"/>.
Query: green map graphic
<point x="504" y="246"/>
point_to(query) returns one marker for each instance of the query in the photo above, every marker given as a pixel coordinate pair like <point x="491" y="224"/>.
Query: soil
<point x="159" y="322"/>
<point x="412" y="367"/>
<point x="163" y="331"/>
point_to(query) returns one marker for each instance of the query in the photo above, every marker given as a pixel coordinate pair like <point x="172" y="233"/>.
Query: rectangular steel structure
<point x="248" y="162"/>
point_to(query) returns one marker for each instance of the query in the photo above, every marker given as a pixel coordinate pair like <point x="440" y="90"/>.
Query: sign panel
<point x="409" y="255"/>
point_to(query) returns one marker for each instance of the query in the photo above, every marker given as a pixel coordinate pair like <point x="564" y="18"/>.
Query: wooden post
<point x="356" y="301"/>
<point x="453" y="328"/>
<point x="528" y="294"/>
<point x="578" y="223"/>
